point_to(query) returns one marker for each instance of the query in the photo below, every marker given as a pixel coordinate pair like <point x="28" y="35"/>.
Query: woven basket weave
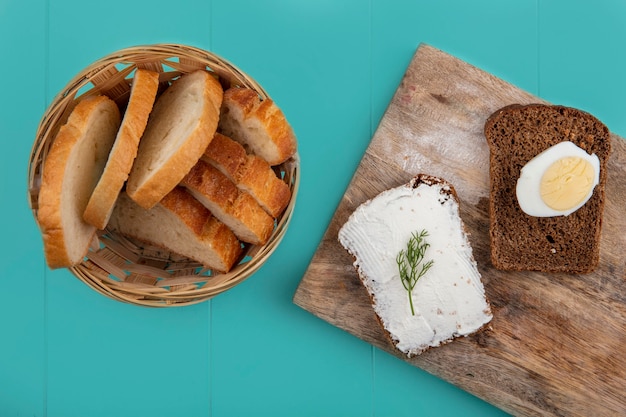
<point x="128" y="270"/>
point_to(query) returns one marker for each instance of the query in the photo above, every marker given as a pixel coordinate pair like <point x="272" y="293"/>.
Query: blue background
<point x="333" y="67"/>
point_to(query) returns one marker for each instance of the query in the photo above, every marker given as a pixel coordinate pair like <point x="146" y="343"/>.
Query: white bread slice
<point x="259" y="125"/>
<point x="181" y="224"/>
<point x="143" y="92"/>
<point x="251" y="173"/>
<point x="236" y="209"/>
<point x="71" y="170"/>
<point x="182" y="123"/>
<point x="449" y="300"/>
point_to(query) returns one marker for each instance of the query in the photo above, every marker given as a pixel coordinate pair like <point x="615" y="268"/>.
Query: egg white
<point x="529" y="183"/>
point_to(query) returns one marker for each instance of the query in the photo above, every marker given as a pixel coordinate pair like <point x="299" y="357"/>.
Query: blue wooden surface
<point x="333" y="67"/>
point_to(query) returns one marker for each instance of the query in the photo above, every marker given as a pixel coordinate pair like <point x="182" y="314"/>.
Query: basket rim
<point x="120" y="56"/>
<point x="71" y="93"/>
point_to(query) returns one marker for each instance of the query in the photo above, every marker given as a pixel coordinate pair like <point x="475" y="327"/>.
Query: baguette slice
<point x="251" y="173"/>
<point x="226" y="155"/>
<point x="449" y="300"/>
<point x="142" y="95"/>
<point x="181" y="224"/>
<point x="236" y="209"/>
<point x="72" y="169"/>
<point x="258" y="179"/>
<point x="259" y="125"/>
<point x="182" y="124"/>
<point x="569" y="244"/>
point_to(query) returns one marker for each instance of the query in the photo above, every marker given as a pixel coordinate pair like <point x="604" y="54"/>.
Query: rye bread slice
<point x="569" y="244"/>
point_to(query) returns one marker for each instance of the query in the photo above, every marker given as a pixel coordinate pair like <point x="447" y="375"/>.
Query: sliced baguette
<point x="258" y="125"/>
<point x="250" y="173"/>
<point x="72" y="169"/>
<point x="142" y="95"/>
<point x="449" y="300"/>
<point x="182" y="124"/>
<point x="258" y="179"/>
<point x="570" y="244"/>
<point x="181" y="224"/>
<point x="236" y="209"/>
<point x="226" y="155"/>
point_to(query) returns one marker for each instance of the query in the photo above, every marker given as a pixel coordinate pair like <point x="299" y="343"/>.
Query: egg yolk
<point x="566" y="183"/>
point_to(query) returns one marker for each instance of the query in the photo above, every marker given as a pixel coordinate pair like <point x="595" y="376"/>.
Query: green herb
<point x="409" y="262"/>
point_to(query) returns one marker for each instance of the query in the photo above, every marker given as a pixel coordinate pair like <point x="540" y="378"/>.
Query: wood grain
<point x="556" y="344"/>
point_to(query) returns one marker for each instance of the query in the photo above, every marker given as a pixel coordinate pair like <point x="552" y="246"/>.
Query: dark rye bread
<point x="569" y="244"/>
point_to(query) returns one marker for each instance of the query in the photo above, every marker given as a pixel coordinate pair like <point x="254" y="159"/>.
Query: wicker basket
<point x="128" y="270"/>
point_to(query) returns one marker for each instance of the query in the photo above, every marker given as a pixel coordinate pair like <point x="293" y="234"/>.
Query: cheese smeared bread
<point x="449" y="300"/>
<point x="142" y="95"/>
<point x="182" y="124"/>
<point x="258" y="124"/>
<point x="181" y="224"/>
<point x="73" y="167"/>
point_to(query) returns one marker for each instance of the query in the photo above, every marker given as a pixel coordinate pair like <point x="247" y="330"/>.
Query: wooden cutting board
<point x="556" y="343"/>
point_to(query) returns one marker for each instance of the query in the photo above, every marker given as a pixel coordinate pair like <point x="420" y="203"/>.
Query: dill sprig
<point x="409" y="262"/>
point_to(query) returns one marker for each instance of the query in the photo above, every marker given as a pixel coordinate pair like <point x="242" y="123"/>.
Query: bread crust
<point x="148" y="182"/>
<point x="235" y="208"/>
<point x="258" y="179"/>
<point x="569" y="244"/>
<point x="250" y="173"/>
<point x="220" y="249"/>
<point x="257" y="124"/>
<point x="207" y="181"/>
<point x="205" y="226"/>
<point x="226" y="155"/>
<point x="143" y="92"/>
<point x="56" y="218"/>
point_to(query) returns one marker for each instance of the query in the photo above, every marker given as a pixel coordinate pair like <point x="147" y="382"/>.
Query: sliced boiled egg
<point x="558" y="181"/>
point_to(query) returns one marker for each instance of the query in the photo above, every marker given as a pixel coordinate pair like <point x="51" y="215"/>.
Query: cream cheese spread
<point x="449" y="300"/>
